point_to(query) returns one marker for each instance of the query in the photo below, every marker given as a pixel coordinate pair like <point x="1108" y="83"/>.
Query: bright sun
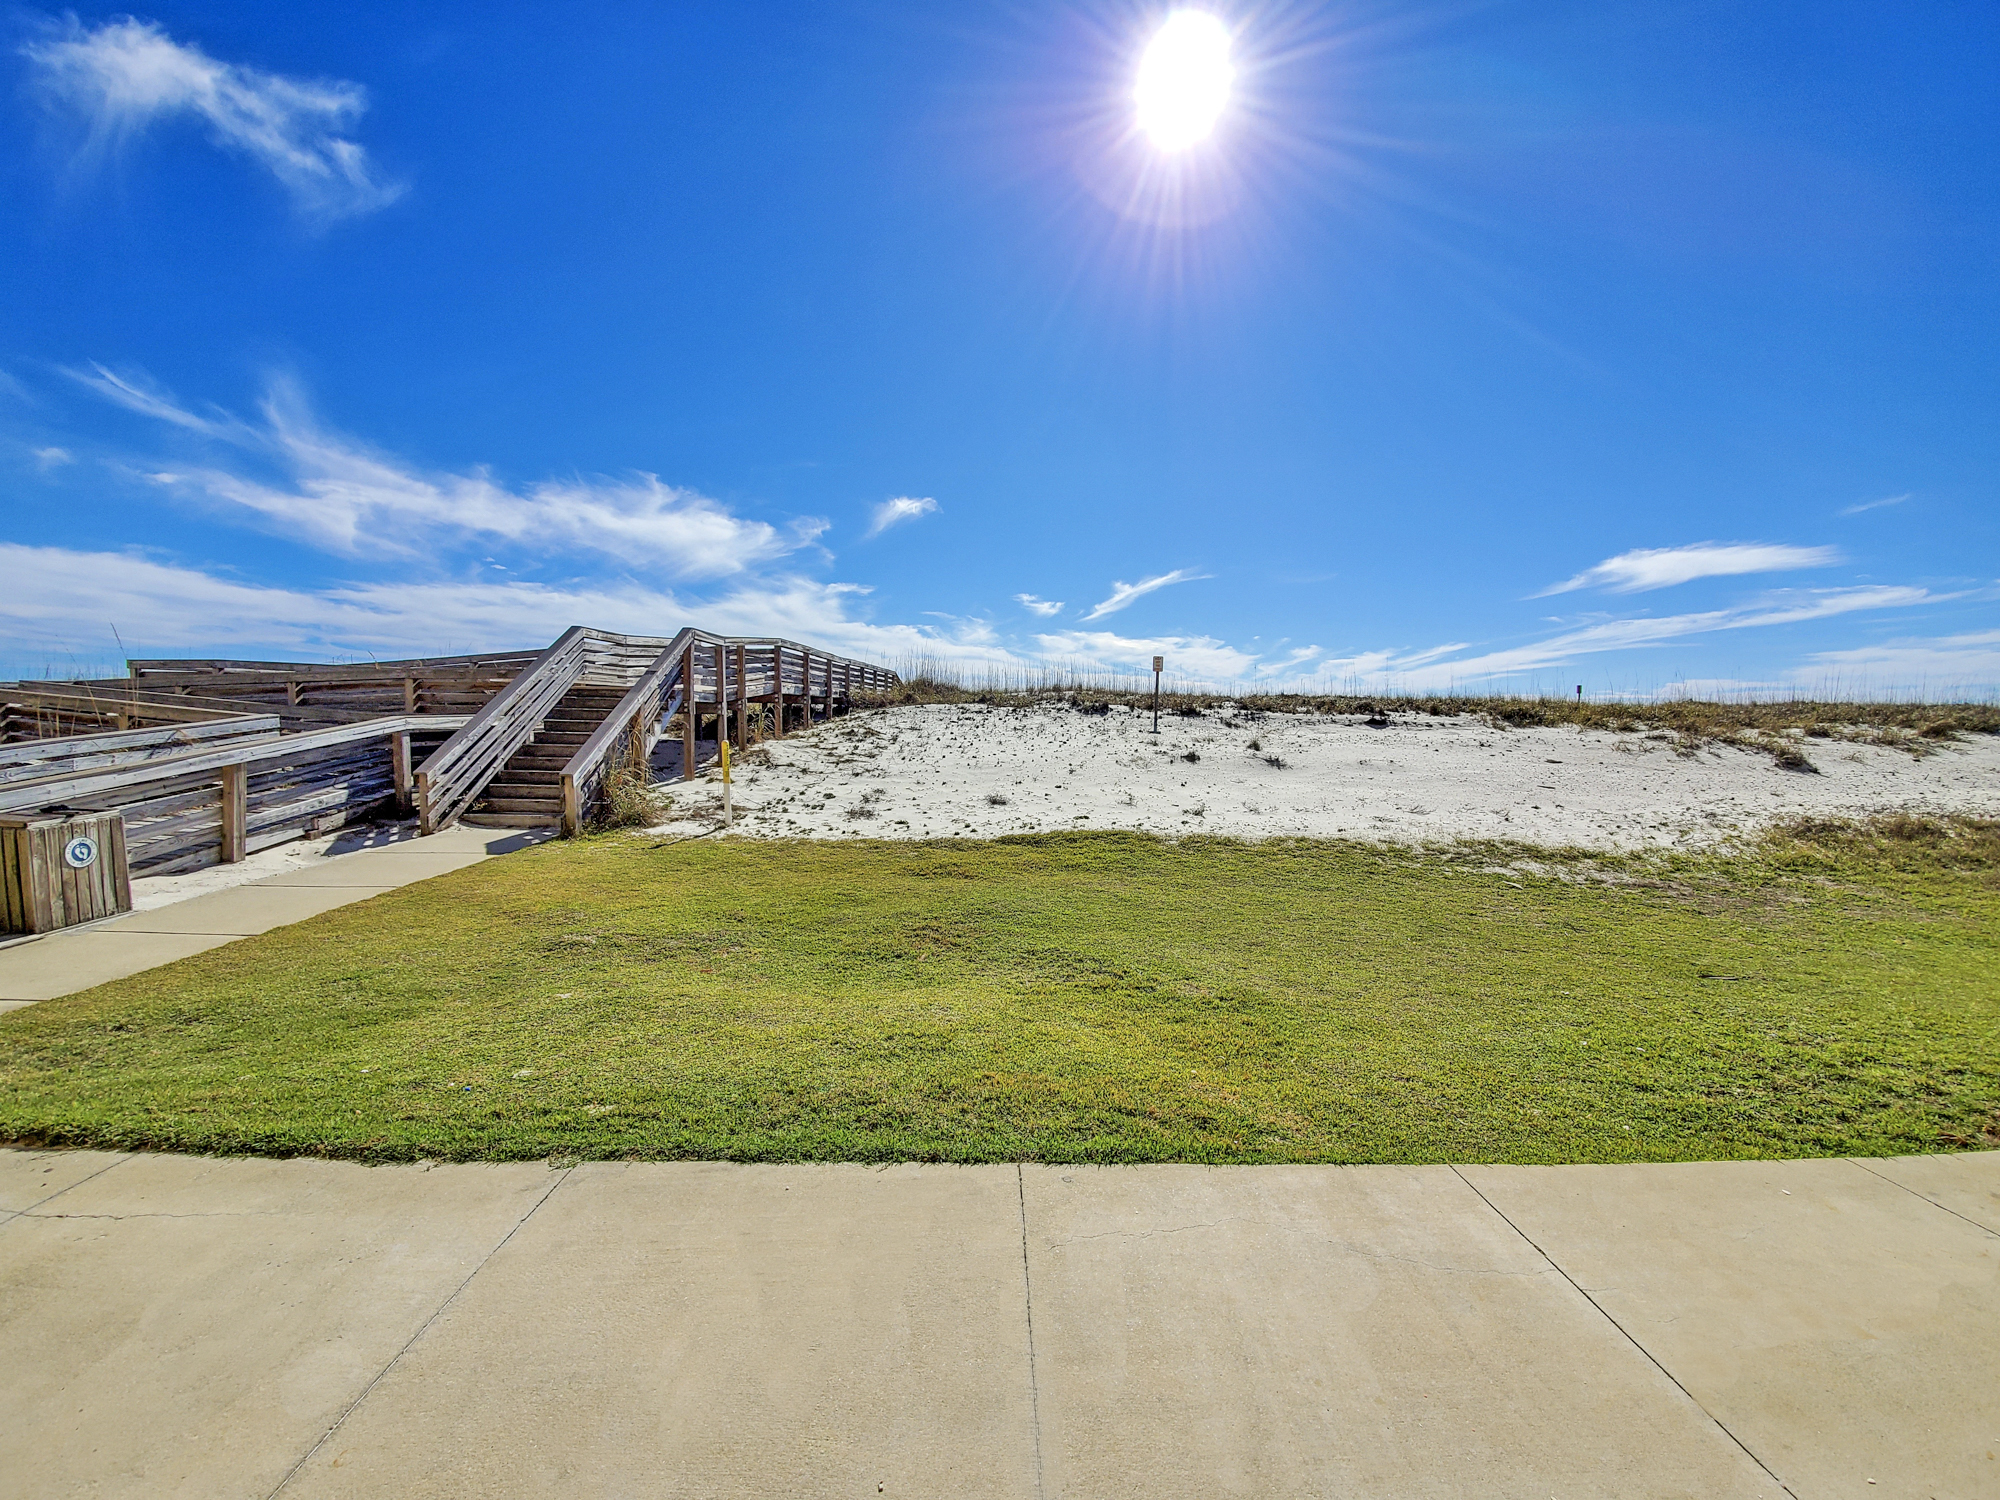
<point x="1184" y="80"/>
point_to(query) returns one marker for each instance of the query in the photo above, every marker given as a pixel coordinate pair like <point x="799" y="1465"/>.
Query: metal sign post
<point x="1158" y="663"/>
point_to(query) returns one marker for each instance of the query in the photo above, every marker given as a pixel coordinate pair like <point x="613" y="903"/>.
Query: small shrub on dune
<point x="631" y="800"/>
<point x="1790" y="759"/>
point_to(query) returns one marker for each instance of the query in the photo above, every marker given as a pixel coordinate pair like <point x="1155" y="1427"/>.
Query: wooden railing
<point x="626" y="737"/>
<point x="449" y="781"/>
<point x="735" y="671"/>
<point x="193" y="796"/>
<point x="77" y="754"/>
<point x="220" y="802"/>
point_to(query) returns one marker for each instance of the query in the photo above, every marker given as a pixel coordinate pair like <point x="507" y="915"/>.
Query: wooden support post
<point x="409" y="695"/>
<point x="235" y="812"/>
<point x="778" y="685"/>
<point x="292" y="692"/>
<point x="806" y="687"/>
<point x="721" y="694"/>
<point x="399" y="763"/>
<point x="742" y="704"/>
<point x="687" y="714"/>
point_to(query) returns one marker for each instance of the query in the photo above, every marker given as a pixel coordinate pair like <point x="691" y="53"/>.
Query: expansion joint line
<point x="1721" y="1426"/>
<point x="1028" y="1304"/>
<point x="410" y="1343"/>
<point x="30" y="1209"/>
<point x="1857" y="1161"/>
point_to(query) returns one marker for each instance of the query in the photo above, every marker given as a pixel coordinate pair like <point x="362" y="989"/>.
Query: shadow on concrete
<point x="373" y="836"/>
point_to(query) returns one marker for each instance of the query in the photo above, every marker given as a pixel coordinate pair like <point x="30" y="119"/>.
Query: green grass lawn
<point x="1080" y="997"/>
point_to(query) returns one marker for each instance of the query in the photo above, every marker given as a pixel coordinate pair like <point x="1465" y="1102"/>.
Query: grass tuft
<point x="631" y="800"/>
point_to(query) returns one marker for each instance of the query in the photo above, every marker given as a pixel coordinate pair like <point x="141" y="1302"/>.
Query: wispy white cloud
<point x="333" y="492"/>
<point x="902" y="508"/>
<point x="1122" y="594"/>
<point x="53" y="458"/>
<point x="136" y="392"/>
<point x="1855" y="510"/>
<point x="126" y="73"/>
<point x="1290" y="663"/>
<point x="1046" y="608"/>
<point x="1202" y="658"/>
<point x="1912" y="663"/>
<point x="1443" y="667"/>
<point x="1662" y="567"/>
<point x="60" y="600"/>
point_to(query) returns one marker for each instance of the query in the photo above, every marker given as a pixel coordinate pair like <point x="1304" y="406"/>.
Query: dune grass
<point x="1079" y="997"/>
<point x="1785" y="728"/>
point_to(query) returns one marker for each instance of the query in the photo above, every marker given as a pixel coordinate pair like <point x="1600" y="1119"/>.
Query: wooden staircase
<point x="527" y="790"/>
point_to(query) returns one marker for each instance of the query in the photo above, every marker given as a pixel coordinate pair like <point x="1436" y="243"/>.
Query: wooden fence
<point x="217" y="803"/>
<point x="39" y="759"/>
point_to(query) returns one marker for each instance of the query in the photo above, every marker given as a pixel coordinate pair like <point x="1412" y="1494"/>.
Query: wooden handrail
<point x="39" y="760"/>
<point x="629" y="722"/>
<point x="60" y="789"/>
<point x="458" y="770"/>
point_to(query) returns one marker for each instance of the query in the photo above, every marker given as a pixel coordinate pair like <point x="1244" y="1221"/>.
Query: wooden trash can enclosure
<point x="59" y="871"/>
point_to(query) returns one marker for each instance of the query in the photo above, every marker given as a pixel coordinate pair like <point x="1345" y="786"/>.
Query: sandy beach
<point x="976" y="771"/>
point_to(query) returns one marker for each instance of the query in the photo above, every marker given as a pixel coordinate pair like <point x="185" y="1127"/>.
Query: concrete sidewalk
<point x="61" y="963"/>
<point x="202" y="1327"/>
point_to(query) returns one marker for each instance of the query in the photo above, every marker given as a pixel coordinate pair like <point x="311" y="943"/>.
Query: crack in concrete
<point x="1411" y="1260"/>
<point x="25" y="1212"/>
<point x="119" y="1218"/>
<point x="1138" y="1234"/>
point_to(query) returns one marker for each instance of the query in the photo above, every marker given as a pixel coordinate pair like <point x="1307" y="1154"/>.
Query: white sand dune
<point x="976" y="771"/>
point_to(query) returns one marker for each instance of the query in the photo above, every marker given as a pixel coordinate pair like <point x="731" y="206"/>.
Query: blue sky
<point x="1489" y="346"/>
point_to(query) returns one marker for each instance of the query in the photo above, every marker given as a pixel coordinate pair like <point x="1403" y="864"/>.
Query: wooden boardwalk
<point x="211" y="760"/>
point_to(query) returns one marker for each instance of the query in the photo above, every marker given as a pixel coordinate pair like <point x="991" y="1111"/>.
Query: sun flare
<point x="1184" y="79"/>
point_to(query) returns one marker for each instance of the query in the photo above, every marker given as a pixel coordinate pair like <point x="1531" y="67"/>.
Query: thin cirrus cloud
<point x="1046" y="608"/>
<point x="333" y="493"/>
<point x="1444" y="668"/>
<point x="902" y="508"/>
<point x="1662" y="567"/>
<point x="1123" y="594"/>
<point x="125" y="74"/>
<point x="1867" y="505"/>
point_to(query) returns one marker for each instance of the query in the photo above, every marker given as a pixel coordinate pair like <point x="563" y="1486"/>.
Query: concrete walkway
<point x="200" y="1327"/>
<point x="61" y="963"/>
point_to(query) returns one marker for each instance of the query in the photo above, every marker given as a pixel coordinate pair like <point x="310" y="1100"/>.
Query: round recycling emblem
<point x="80" y="853"/>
